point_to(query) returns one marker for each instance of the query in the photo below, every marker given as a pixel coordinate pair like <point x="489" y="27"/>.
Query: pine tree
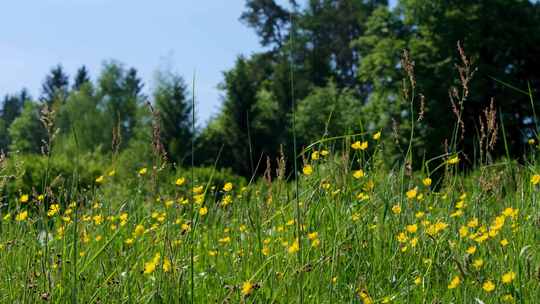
<point x="55" y="88"/>
<point x="119" y="95"/>
<point x="171" y="100"/>
<point x="81" y="77"/>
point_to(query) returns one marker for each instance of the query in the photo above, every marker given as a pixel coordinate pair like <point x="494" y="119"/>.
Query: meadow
<point x="367" y="151"/>
<point x="357" y="232"/>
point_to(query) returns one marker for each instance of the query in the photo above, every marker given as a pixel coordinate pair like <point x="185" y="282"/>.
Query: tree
<point x="500" y="37"/>
<point x="80" y="114"/>
<point x="322" y="33"/>
<point x="240" y="88"/>
<point x="248" y="124"/>
<point x="12" y="107"/>
<point x="171" y="100"/>
<point x="27" y="133"/>
<point x="326" y="112"/>
<point x="55" y="87"/>
<point x="119" y="94"/>
<point x="81" y="77"/>
<point x="259" y="91"/>
<point x="269" y="19"/>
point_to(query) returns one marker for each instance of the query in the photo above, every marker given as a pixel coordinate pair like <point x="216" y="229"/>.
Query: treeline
<point x="109" y="115"/>
<point x="346" y="66"/>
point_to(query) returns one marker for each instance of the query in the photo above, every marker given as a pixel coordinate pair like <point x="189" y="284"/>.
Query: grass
<point x="363" y="238"/>
<point x="347" y="230"/>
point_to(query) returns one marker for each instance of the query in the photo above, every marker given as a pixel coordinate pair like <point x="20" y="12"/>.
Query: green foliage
<point x="81" y="116"/>
<point x="128" y="230"/>
<point x="82" y="77"/>
<point x="203" y="175"/>
<point x="119" y="93"/>
<point x="491" y="34"/>
<point x="327" y="112"/>
<point x="340" y="63"/>
<point x="27" y="133"/>
<point x="171" y="99"/>
<point x="56" y="172"/>
<point x="245" y="124"/>
<point x="12" y="107"/>
<point x="55" y="88"/>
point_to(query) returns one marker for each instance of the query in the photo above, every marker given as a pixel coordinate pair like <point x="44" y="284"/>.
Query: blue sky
<point x="185" y="36"/>
<point x="203" y="36"/>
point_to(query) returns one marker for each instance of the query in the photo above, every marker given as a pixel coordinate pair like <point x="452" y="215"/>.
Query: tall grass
<point x="344" y="229"/>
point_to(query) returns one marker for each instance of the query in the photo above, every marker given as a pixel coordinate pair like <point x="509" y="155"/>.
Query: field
<point x="270" y="151"/>
<point x="357" y="232"/>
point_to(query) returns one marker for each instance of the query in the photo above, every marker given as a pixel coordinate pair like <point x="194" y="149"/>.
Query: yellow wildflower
<point x="362" y="196"/>
<point x="458" y="213"/>
<point x="98" y="219"/>
<point x="24" y="198"/>
<point x="402" y="237"/>
<point x="247" y="288"/>
<point x="198" y="189"/>
<point x="22" y="216"/>
<point x="166" y="265"/>
<point x="150" y="266"/>
<point x="180" y="181"/>
<point x="227" y="187"/>
<point x="471" y="250"/>
<point x="412" y="228"/>
<point x="411" y="194"/>
<point x="185" y="227"/>
<point x="508" y="277"/>
<point x="535" y="179"/>
<point x="478" y="263"/>
<point x="294" y="247"/>
<point x="53" y="209"/>
<point x="313" y="235"/>
<point x="358" y="174"/>
<point x="227" y="199"/>
<point x="454" y="283"/>
<point x="461" y="204"/>
<point x="488" y="286"/>
<point x="366" y="299"/>
<point x="508" y="298"/>
<point x="510" y="212"/>
<point x="473" y="223"/>
<point x="139" y="230"/>
<point x="225" y="240"/>
<point x="453" y="160"/>
<point x="357" y="145"/>
<point x="307" y="170"/>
